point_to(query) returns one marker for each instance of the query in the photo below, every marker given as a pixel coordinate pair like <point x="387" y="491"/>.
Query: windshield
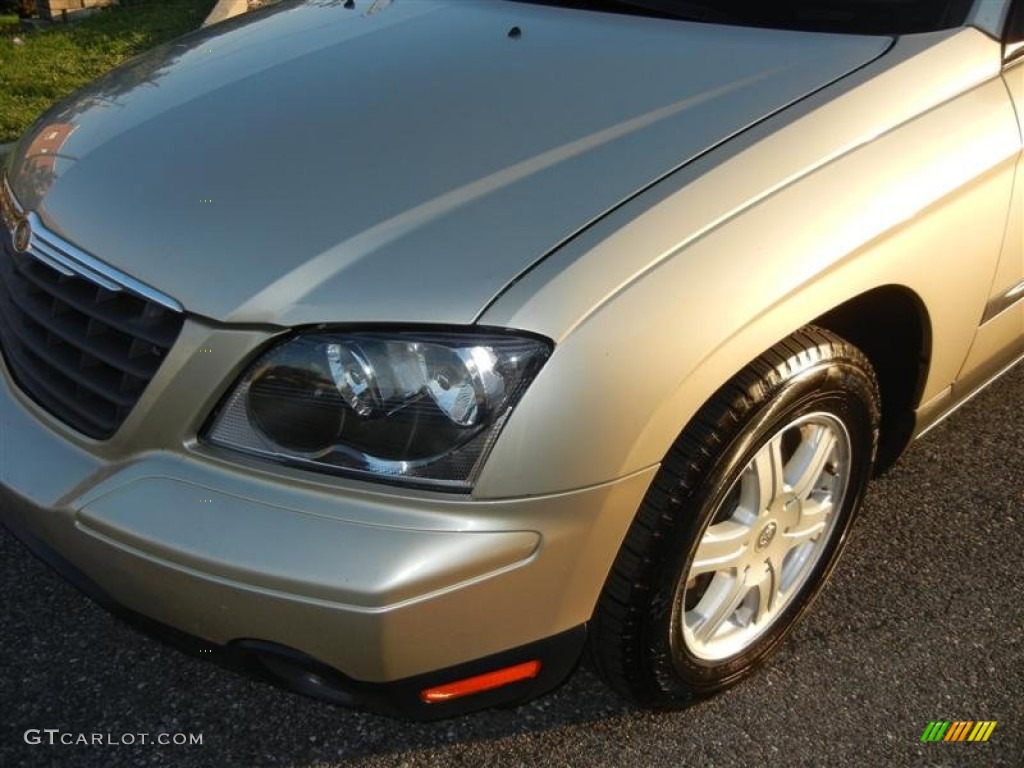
<point x="868" y="17"/>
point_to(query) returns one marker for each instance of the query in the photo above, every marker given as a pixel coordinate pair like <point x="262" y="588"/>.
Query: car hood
<point x="399" y="161"/>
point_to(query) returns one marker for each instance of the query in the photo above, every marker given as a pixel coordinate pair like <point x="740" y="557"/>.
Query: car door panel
<point x="1000" y="338"/>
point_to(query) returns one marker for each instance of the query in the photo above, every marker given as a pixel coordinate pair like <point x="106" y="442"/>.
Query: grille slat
<point x="82" y="351"/>
<point x="69" y="326"/>
<point x="134" y="315"/>
<point x="55" y="393"/>
<point x="75" y="366"/>
<point x="61" y="399"/>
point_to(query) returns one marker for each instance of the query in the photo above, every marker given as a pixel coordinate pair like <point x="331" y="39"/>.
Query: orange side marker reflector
<point x="485" y="682"/>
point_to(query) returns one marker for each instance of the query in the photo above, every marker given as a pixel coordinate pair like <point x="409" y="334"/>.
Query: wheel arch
<point x="891" y="326"/>
<point x="889" y="323"/>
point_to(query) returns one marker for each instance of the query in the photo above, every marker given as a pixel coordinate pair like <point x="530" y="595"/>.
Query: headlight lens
<point x="420" y="408"/>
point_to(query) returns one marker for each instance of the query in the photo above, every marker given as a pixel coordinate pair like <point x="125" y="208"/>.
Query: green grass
<point x="8" y="24"/>
<point x="48" y="64"/>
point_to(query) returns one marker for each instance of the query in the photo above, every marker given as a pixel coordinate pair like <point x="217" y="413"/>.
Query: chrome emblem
<point x="766" y="535"/>
<point x="22" y="235"/>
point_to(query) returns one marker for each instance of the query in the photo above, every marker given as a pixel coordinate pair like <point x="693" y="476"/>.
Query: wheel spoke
<point x="723" y="546"/>
<point x="767" y="589"/>
<point x="809" y="461"/>
<point x="767" y="466"/>
<point x="724" y="595"/>
<point x="813" y="520"/>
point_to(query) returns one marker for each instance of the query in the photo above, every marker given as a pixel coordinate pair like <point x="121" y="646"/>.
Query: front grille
<point x="83" y="350"/>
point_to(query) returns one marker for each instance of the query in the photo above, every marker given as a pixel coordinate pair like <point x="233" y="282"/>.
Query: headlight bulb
<point x="462" y="382"/>
<point x="355" y="378"/>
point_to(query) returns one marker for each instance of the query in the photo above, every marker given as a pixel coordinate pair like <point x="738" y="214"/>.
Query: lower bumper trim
<point x="296" y="671"/>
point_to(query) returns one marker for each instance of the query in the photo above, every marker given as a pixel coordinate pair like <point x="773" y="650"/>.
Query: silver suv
<point x="404" y="349"/>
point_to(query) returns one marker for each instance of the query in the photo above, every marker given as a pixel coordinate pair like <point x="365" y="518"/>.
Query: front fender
<point x="880" y="184"/>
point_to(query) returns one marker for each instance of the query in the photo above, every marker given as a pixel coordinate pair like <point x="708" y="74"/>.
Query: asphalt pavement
<point x="923" y="621"/>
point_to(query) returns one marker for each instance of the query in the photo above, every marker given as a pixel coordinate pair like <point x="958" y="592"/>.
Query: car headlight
<point x="419" y="408"/>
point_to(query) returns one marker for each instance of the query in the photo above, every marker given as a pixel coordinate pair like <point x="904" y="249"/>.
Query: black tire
<point x="638" y="640"/>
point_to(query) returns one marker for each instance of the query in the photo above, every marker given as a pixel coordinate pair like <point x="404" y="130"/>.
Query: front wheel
<point x="742" y="524"/>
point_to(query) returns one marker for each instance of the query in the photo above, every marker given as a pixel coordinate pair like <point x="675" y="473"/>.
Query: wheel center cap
<point x="767" y="534"/>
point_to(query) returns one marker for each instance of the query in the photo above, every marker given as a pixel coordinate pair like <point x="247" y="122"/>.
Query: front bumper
<point x="378" y="586"/>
